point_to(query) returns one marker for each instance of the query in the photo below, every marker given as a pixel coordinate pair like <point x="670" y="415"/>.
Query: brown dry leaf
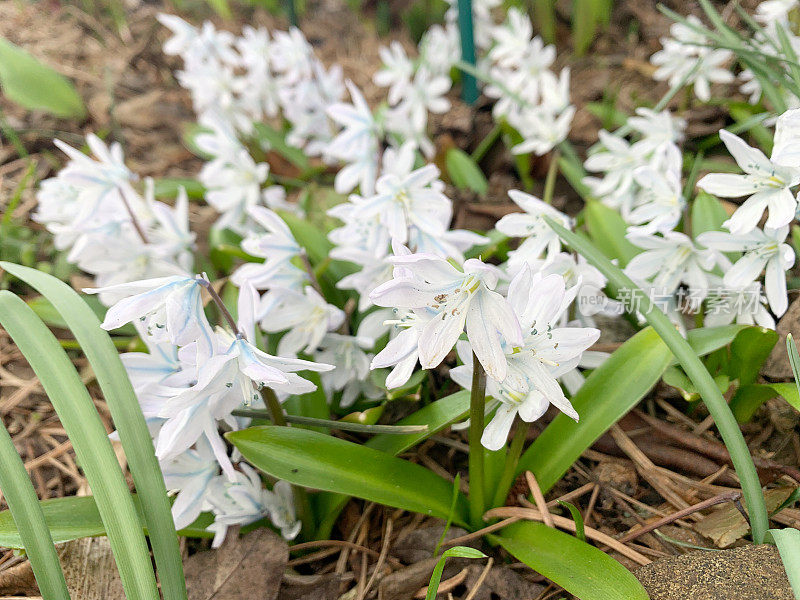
<point x="249" y="567"/>
<point x="726" y="525"/>
<point x="90" y="570"/>
<point x="502" y="583"/>
<point x="18" y="580"/>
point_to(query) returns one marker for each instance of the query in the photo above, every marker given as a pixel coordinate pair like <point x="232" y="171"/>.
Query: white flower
<point x="547" y="352"/>
<point x="282" y="511"/>
<point x="660" y="201"/>
<point x="669" y="260"/>
<point x="170" y="308"/>
<point x="402" y="351"/>
<point x="762" y="250"/>
<point x="538" y="236"/>
<point x="190" y="474"/>
<point x="658" y="129"/>
<point x="305" y="314"/>
<point x="347" y="352"/>
<point x="414" y="200"/>
<point x="766" y="181"/>
<point x="356" y="144"/>
<point x="458" y="300"/>
<point x="687" y="57"/>
<point x="725" y="305"/>
<point x="238" y="502"/>
<point x="618" y="159"/>
<point x="396" y="71"/>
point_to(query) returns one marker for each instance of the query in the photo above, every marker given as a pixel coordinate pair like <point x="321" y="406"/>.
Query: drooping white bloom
<point x="242" y="501"/>
<point x="357" y="144"/>
<point x="352" y="362"/>
<point x="767" y="182"/>
<point x="669" y="260"/>
<point x="396" y="71"/>
<point x="305" y="315"/>
<point x="548" y="351"/>
<point x="762" y="249"/>
<point x="538" y="236"/>
<point x="170" y="308"/>
<point x="281" y="509"/>
<point x="190" y="475"/>
<point x="688" y="57"/>
<point x="459" y="300"/>
<point x="660" y="201"/>
<point x="726" y="305"/>
<point x="618" y="160"/>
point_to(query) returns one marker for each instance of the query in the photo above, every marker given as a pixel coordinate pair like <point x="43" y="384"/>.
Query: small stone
<point x="745" y="573"/>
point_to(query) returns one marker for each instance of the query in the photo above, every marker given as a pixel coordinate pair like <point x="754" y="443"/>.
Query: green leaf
<point x="789" y="392"/>
<point x="580" y="531"/>
<point x="544" y="14"/>
<point x="79" y="418"/>
<point x="27" y="516"/>
<point x="585" y="18"/>
<point x="612" y="389"/>
<point x="708" y="214"/>
<point x="788" y="542"/>
<point x="276" y="141"/>
<point x="123" y="404"/>
<point x="319" y="461"/>
<point x="794" y="359"/>
<point x="695" y="370"/>
<point x="454" y="552"/>
<point x="167" y="187"/>
<point x="52" y="318"/>
<point x="464" y="173"/>
<point x="749" y="349"/>
<point x="32" y="85"/>
<point x="579" y="568"/>
<point x="436" y="416"/>
<point x="75" y="517"/>
<point x="221" y="7"/>
<point x="747" y="400"/>
<point x="607" y="230"/>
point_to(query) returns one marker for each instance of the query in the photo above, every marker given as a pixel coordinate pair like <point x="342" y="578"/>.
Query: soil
<point x="133" y="98"/>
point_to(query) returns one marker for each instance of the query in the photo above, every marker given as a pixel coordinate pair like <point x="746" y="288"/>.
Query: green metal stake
<point x="469" y="87"/>
<point x="291" y="12"/>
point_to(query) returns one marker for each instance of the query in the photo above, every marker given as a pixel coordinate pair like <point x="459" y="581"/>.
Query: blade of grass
<point x="128" y="418"/>
<point x="697" y="373"/>
<point x="29" y="519"/>
<point x="76" y="411"/>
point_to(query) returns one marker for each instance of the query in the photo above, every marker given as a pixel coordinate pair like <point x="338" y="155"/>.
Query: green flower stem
<point x="510" y="466"/>
<point x="274" y="406"/>
<point x="487" y="143"/>
<point x="469" y="87"/>
<point x="550" y="181"/>
<point x="477" y="404"/>
<point x="697" y="373"/>
<point x="329" y="424"/>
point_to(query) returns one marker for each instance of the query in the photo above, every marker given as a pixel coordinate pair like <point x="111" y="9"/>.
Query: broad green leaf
<point x="454" y="552"/>
<point x="221" y="7"/>
<point x="436" y="416"/>
<point x="167" y="187"/>
<point x="52" y="317"/>
<point x="581" y="569"/>
<point x="607" y="230"/>
<point x="319" y="461"/>
<point x="26" y="514"/>
<point x="112" y="377"/>
<point x="788" y="542"/>
<point x="749" y="349"/>
<point x="585" y="19"/>
<point x="789" y="392"/>
<point x="464" y="173"/>
<point x="276" y="141"/>
<point x="79" y="418"/>
<point x="696" y="371"/>
<point x="33" y="86"/>
<point x="748" y="398"/>
<point x="708" y="214"/>
<point x="544" y="15"/>
<point x="75" y="517"/>
<point x="612" y="389"/>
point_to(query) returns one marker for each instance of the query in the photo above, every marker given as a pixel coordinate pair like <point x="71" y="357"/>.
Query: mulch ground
<point x="656" y="465"/>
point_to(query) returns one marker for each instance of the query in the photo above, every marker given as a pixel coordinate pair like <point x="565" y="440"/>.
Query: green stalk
<point x="550" y="181"/>
<point x="487" y="143"/>
<point x="329" y="424"/>
<point x="697" y="373"/>
<point x="512" y="459"/>
<point x="29" y="519"/>
<point x="477" y="502"/>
